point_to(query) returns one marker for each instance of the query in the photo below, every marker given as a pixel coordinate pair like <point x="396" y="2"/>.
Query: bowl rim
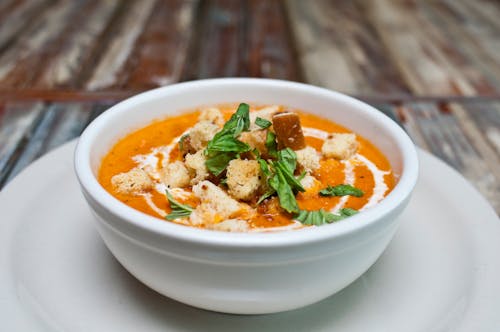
<point x="154" y="225"/>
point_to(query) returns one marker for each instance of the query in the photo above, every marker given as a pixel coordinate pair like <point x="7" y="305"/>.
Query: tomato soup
<point x="246" y="168"/>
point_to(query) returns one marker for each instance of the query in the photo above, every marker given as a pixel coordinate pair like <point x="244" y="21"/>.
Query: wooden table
<point x="433" y="66"/>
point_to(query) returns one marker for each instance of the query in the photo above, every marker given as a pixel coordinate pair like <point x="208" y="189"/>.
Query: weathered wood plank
<point x="15" y="17"/>
<point x="219" y="47"/>
<point x="419" y="62"/>
<point x="21" y="63"/>
<point x="410" y="121"/>
<point x="271" y="51"/>
<point x="125" y="32"/>
<point x="160" y="53"/>
<point x="57" y="124"/>
<point x="478" y="27"/>
<point x="16" y="122"/>
<point x="486" y="116"/>
<point x="458" y="144"/>
<point x="461" y="49"/>
<point x="63" y="66"/>
<point x="341" y="50"/>
<point x="323" y="60"/>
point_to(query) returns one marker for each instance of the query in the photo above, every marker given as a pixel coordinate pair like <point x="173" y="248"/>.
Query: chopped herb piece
<point x="289" y="158"/>
<point x="264" y="167"/>
<point x="281" y="179"/>
<point x="178" y="210"/>
<point x="263" y="123"/>
<point x="228" y="143"/>
<point x="218" y="162"/>
<point x="347" y="212"/>
<point x="322" y="217"/>
<point x="285" y="193"/>
<point x="271" y="145"/>
<point x="225" y="146"/>
<point x="290" y="179"/>
<point x="341" y="190"/>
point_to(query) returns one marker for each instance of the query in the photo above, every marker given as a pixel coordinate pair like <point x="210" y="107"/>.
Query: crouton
<point x="196" y="165"/>
<point x="308" y="159"/>
<point x="132" y="182"/>
<point x="176" y="175"/>
<point x="244" y="179"/>
<point x="231" y="225"/>
<point x="255" y="139"/>
<point x="264" y="113"/>
<point x="216" y="205"/>
<point x="185" y="146"/>
<point x="288" y="131"/>
<point x="212" y="115"/>
<point x="201" y="133"/>
<point x="340" y="146"/>
<point x="309" y="182"/>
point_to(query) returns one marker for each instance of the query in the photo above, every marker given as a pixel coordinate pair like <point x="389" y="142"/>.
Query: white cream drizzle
<point x="378" y="176"/>
<point x="348" y="179"/>
<point x="149" y="162"/>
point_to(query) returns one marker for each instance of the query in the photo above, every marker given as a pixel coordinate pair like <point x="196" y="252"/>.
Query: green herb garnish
<point x="178" y="210"/>
<point x="225" y="146"/>
<point x="271" y="145"/>
<point x="263" y="123"/>
<point x="281" y="180"/>
<point x="322" y="217"/>
<point x="341" y="190"/>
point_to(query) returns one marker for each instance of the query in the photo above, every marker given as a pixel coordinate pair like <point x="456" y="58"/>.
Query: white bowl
<point x="244" y="273"/>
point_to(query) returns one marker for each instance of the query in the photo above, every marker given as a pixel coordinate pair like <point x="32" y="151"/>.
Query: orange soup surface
<point x="246" y="175"/>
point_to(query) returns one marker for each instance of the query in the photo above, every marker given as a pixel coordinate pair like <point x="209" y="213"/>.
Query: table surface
<point x="432" y="66"/>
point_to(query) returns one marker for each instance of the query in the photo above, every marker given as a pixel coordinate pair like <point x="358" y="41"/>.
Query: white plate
<point x="441" y="272"/>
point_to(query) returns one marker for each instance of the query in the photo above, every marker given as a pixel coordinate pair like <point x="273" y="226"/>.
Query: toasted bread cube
<point x="264" y="113"/>
<point x="288" y="131"/>
<point x="255" y="139"/>
<point x="201" y="133"/>
<point x="231" y="225"/>
<point x="244" y="179"/>
<point x="216" y="205"/>
<point x="196" y="166"/>
<point x="308" y="159"/>
<point x="340" y="146"/>
<point x="185" y="146"/>
<point x="212" y="115"/>
<point x="309" y="182"/>
<point x="133" y="182"/>
<point x="176" y="175"/>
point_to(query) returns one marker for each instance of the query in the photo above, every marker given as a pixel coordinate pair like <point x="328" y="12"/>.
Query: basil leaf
<point x="239" y="121"/>
<point x="264" y="167"/>
<point x="288" y="157"/>
<point x="341" y="190"/>
<point x="178" y="210"/>
<point x="285" y="193"/>
<point x="271" y="145"/>
<point x="227" y="144"/>
<point x="322" y="217"/>
<point x="347" y="212"/>
<point x="263" y="123"/>
<point x="218" y="162"/>
<point x="289" y="177"/>
<point x="267" y="194"/>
